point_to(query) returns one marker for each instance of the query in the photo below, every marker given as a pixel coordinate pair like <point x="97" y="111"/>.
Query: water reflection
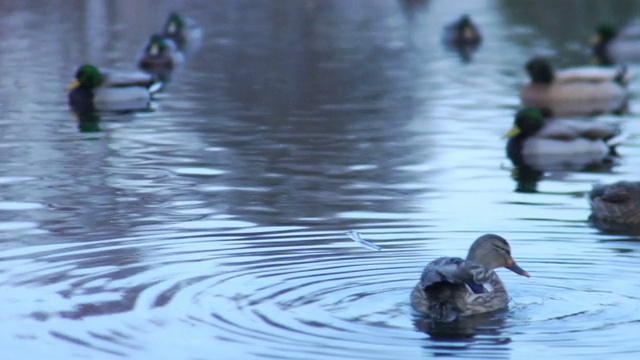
<point x="466" y="335"/>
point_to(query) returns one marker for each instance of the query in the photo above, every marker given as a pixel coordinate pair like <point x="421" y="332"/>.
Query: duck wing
<point x="571" y="129"/>
<point x="592" y="74"/>
<point x="119" y="78"/>
<point x="453" y="270"/>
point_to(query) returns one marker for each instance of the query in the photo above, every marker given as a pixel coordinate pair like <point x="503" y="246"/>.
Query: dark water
<point x="214" y="226"/>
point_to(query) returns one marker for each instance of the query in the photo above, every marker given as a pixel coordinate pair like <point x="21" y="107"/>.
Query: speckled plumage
<point x="616" y="206"/>
<point x="451" y="287"/>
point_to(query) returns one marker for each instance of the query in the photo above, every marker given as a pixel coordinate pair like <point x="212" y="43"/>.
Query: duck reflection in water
<point x="463" y="37"/>
<point x="453" y="291"/>
<point x="538" y="144"/>
<point x="88" y="122"/>
<point x="466" y="330"/>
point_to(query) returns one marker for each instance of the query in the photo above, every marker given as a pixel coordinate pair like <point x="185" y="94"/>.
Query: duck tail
<point x="622" y="76"/>
<point x="613" y="142"/>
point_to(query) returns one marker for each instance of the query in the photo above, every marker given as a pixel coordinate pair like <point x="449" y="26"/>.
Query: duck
<point x="611" y="45"/>
<point x="586" y="90"/>
<point x="616" y="207"/>
<point x="543" y="143"/>
<point x="462" y="32"/>
<point x="184" y="31"/>
<point x="451" y="288"/>
<point x="99" y="89"/>
<point x="160" y="55"/>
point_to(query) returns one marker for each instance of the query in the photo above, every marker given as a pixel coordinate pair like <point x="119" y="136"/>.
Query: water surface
<point x="214" y="226"/>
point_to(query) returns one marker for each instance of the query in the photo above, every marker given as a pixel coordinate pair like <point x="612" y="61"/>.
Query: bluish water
<point x="214" y="226"/>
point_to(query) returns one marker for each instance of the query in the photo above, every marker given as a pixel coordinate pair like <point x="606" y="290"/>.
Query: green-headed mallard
<point x="611" y="46"/>
<point x="462" y="32"/>
<point x="451" y="287"/>
<point x="160" y="54"/>
<point x="554" y="144"/>
<point x="184" y="31"/>
<point x="616" y="207"/>
<point x="95" y="89"/>
<point x="586" y="90"/>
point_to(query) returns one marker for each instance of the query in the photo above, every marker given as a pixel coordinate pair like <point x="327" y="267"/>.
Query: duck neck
<point x="514" y="150"/>
<point x="600" y="54"/>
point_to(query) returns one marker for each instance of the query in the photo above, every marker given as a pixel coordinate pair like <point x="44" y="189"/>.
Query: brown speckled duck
<point x="616" y="207"/>
<point x="452" y="287"/>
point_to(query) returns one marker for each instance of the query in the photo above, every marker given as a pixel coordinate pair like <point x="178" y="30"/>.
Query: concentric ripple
<point x="298" y="294"/>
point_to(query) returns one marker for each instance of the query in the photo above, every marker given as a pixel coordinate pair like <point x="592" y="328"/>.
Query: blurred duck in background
<point x="616" y="207"/>
<point x="462" y="36"/>
<point x="587" y="90"/>
<point x="184" y="31"/>
<point x="544" y="144"/>
<point x="160" y="56"/>
<point x="612" y="46"/>
<point x="462" y="31"/>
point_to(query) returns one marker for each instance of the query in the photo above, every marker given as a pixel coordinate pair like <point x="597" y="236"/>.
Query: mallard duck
<point x="553" y="144"/>
<point x="611" y="46"/>
<point x="462" y="32"/>
<point x="95" y="89"/>
<point x="587" y="90"/>
<point x="451" y="287"/>
<point x="184" y="31"/>
<point x="616" y="207"/>
<point x="160" y="54"/>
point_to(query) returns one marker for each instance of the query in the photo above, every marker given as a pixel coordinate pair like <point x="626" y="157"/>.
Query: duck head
<point x="539" y="70"/>
<point x="157" y="45"/>
<point x="465" y="28"/>
<point x="87" y="76"/>
<point x="527" y="122"/>
<point x="494" y="252"/>
<point x="604" y="34"/>
<point x="175" y="24"/>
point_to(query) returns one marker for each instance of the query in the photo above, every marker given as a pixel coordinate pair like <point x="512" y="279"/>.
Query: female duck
<point x="95" y="89"/>
<point x="616" y="207"/>
<point x="451" y="287"/>
<point x="160" y="55"/>
<point x="554" y="144"/>
<point x="575" y="91"/>
<point x="611" y="46"/>
<point x="185" y="32"/>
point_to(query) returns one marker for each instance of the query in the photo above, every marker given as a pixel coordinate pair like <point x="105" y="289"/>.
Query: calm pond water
<point x="213" y="227"/>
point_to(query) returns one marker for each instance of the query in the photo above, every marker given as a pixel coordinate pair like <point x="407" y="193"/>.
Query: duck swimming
<point x="611" y="46"/>
<point x="616" y="207"/>
<point x="96" y="89"/>
<point x="463" y="37"/>
<point x="462" y="32"/>
<point x="451" y="287"/>
<point x="546" y="144"/>
<point x="160" y="55"/>
<point x="587" y="90"/>
<point x="184" y="31"/>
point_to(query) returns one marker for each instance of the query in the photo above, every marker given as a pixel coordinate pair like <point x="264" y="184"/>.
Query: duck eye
<point x="503" y="250"/>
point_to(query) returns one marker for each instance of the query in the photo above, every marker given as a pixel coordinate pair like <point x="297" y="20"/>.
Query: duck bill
<point x="512" y="133"/>
<point x="74" y="85"/>
<point x="517" y="269"/>
<point x="595" y="40"/>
